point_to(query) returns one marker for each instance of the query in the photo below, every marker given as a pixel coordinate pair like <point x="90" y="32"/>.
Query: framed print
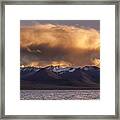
<point x="60" y="59"/>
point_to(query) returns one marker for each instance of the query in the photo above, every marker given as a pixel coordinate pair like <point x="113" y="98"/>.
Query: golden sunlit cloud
<point x="96" y="62"/>
<point x="45" y="44"/>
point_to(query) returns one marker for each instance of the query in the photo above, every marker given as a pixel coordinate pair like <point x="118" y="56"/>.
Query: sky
<point x="79" y="23"/>
<point x="59" y="42"/>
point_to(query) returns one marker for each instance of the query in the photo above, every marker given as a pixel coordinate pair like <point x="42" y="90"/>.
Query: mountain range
<point x="57" y="77"/>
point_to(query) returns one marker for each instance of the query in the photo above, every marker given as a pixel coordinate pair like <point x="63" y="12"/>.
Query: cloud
<point x="45" y="44"/>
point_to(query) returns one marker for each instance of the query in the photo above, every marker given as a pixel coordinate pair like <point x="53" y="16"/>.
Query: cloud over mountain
<point x="45" y="44"/>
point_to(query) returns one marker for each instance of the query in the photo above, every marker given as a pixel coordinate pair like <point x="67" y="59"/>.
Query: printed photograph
<point x="59" y="60"/>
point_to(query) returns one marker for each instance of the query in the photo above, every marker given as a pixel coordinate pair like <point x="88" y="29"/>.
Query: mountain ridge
<point x="57" y="77"/>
